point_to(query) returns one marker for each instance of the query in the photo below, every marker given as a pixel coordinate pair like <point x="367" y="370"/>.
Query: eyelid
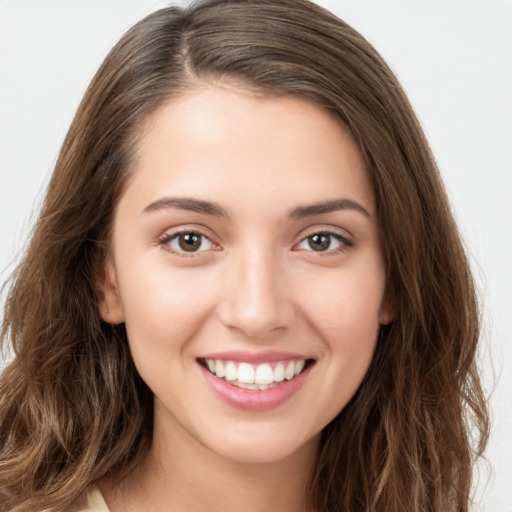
<point x="172" y="234"/>
<point x="325" y="228"/>
<point x="340" y="234"/>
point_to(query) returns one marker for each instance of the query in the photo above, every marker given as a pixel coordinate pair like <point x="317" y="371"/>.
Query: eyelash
<point x="167" y="239"/>
<point x="344" y="242"/>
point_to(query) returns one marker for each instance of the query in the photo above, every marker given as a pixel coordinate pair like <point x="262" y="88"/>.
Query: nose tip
<point x="256" y="323"/>
<point x="257" y="302"/>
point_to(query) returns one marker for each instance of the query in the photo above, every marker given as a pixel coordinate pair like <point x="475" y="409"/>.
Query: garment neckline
<point x="95" y="500"/>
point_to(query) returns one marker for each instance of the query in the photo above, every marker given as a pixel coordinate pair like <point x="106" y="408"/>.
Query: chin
<point x="265" y="447"/>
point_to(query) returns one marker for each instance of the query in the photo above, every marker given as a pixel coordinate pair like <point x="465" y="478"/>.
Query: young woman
<point x="245" y="290"/>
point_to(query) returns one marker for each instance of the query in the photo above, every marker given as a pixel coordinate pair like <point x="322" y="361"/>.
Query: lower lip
<point x="253" y="399"/>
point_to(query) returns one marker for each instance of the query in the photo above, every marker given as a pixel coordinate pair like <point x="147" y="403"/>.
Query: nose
<point x="256" y="298"/>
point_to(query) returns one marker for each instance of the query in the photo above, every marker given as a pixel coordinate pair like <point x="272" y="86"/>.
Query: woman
<point x="245" y="288"/>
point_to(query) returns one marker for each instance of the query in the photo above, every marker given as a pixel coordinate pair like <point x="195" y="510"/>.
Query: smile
<point x="255" y="376"/>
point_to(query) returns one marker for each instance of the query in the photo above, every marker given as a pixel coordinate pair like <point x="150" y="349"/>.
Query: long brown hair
<point x="72" y="406"/>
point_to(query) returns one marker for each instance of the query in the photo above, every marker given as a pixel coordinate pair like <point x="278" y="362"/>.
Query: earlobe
<point x="385" y="317"/>
<point x="387" y="311"/>
<point x="109" y="301"/>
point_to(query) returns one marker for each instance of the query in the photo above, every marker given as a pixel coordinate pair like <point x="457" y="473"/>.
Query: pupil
<point x="190" y="242"/>
<point x="319" y="242"/>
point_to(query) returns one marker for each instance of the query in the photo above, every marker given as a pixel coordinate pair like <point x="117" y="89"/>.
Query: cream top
<point x="95" y="501"/>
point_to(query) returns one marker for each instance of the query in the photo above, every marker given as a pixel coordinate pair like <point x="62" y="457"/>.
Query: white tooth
<point x="279" y="372"/>
<point x="219" y="369"/>
<point x="289" y="373"/>
<point x="262" y="387"/>
<point x="211" y="365"/>
<point x="299" y="366"/>
<point x="264" y="374"/>
<point x="246" y="373"/>
<point x="231" y="372"/>
<point x="245" y="386"/>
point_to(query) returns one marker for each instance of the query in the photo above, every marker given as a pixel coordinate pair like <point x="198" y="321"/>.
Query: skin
<point x="255" y="284"/>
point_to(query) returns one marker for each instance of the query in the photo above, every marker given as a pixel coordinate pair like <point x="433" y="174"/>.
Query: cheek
<point x="345" y="306"/>
<point x="344" y="310"/>
<point x="163" y="309"/>
<point x="346" y="317"/>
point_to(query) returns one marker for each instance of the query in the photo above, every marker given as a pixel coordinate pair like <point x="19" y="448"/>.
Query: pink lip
<point x="269" y="356"/>
<point x="254" y="400"/>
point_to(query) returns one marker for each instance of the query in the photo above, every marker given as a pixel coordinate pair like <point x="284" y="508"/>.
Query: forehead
<point x="220" y="140"/>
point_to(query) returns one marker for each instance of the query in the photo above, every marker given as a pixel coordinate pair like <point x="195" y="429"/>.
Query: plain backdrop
<point x="454" y="59"/>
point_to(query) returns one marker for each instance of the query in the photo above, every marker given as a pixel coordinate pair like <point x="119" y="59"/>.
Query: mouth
<point x="257" y="377"/>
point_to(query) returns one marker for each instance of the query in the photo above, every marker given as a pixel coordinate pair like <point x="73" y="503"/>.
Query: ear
<point x="387" y="311"/>
<point x="109" y="301"/>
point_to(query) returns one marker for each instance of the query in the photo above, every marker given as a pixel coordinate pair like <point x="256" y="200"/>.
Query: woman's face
<point x="245" y="250"/>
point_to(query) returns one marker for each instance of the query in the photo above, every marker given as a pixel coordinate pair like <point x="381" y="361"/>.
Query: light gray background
<point x="454" y="58"/>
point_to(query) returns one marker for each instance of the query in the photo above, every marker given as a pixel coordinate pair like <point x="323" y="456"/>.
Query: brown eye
<point x="319" y="241"/>
<point x="324" y="242"/>
<point x="187" y="242"/>
<point x="190" y="242"/>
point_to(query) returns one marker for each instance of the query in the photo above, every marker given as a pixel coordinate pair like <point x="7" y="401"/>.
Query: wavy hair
<point x="72" y="406"/>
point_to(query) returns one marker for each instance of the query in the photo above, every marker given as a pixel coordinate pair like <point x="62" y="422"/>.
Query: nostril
<point x="256" y="320"/>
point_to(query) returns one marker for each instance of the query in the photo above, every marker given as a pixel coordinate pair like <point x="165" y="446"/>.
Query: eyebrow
<point x="189" y="204"/>
<point x="209" y="208"/>
<point x="327" y="207"/>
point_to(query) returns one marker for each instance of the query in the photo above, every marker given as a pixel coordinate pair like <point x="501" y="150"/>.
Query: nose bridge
<point x="257" y="299"/>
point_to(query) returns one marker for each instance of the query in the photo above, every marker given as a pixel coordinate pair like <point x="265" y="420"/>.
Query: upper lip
<point x="267" y="356"/>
